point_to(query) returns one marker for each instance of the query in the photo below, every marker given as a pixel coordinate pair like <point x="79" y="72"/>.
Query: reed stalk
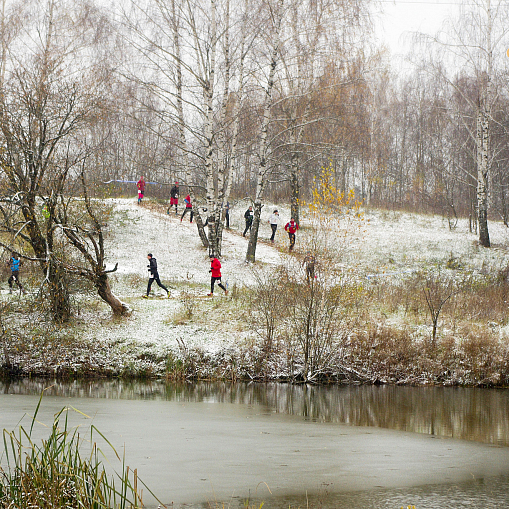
<point x="56" y="473"/>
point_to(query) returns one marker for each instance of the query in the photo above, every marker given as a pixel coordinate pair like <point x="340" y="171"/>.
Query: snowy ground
<point x="388" y="245"/>
<point x="404" y="241"/>
<point x="183" y="265"/>
<point x="391" y="244"/>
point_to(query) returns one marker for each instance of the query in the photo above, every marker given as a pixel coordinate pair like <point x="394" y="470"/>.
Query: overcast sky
<point x="398" y="17"/>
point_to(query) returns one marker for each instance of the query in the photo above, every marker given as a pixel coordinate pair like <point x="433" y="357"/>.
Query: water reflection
<point x="472" y="414"/>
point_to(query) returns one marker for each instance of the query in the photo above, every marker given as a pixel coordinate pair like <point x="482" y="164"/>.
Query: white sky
<point x="399" y="17"/>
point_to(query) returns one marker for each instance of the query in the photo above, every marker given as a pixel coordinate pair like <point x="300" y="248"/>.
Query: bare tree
<point x="51" y="90"/>
<point x="475" y="48"/>
<point x="88" y="239"/>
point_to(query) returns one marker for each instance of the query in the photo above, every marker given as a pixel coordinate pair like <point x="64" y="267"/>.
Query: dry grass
<point x="57" y="474"/>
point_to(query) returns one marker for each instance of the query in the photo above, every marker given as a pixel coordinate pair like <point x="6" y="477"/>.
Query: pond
<point x="208" y="444"/>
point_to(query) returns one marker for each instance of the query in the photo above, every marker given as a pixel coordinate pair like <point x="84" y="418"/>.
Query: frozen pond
<point x="204" y="444"/>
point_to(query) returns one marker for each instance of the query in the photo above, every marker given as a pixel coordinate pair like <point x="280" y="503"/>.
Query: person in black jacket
<point x="248" y="216"/>
<point x="154" y="276"/>
<point x="174" y="197"/>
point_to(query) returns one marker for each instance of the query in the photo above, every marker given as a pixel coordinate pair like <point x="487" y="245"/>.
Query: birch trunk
<point x="181" y="125"/>
<point x="483" y="136"/>
<point x="226" y="168"/>
<point x="209" y="170"/>
<point x="263" y="148"/>
<point x="482" y="140"/>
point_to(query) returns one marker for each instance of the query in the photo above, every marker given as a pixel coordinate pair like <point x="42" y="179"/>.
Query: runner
<point x="141" y="188"/>
<point x="154" y="276"/>
<point x="291" y="227"/>
<point x="273" y="221"/>
<point x="15" y="263"/>
<point x="309" y="261"/>
<point x="248" y="216"/>
<point x="189" y="208"/>
<point x="215" y="270"/>
<point x="174" y="197"/>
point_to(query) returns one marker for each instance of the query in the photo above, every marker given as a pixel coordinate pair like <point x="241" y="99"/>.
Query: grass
<point x="390" y="341"/>
<point x="56" y="474"/>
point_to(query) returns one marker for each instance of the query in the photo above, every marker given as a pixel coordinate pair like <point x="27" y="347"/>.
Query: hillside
<point x="383" y="331"/>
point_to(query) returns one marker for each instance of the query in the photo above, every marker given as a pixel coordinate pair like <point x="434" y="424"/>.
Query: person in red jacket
<point x="141" y="188"/>
<point x="189" y="208"/>
<point x="291" y="227"/>
<point x="215" y="270"/>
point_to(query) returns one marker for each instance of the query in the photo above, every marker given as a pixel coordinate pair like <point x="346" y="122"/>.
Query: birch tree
<point x="475" y="47"/>
<point x="276" y="15"/>
<point x="196" y="63"/>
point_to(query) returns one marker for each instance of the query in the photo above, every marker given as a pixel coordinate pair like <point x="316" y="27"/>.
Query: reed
<point x="56" y="474"/>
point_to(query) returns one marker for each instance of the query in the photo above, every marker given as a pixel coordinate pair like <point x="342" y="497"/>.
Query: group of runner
<point x="215" y="268"/>
<point x="215" y="264"/>
<point x="291" y="227"/>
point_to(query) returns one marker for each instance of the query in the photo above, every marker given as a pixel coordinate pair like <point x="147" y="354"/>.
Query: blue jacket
<point x="15" y="263"/>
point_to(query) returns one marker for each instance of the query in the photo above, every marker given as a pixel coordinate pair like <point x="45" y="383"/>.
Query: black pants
<point x="213" y="280"/>
<point x="186" y="210"/>
<point x="157" y="280"/>
<point x="15" y="277"/>
<point x="227" y="217"/>
<point x="248" y="227"/>
<point x="292" y="240"/>
<point x="274" y="228"/>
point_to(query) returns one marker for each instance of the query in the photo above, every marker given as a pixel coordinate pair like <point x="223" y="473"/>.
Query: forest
<point x="251" y="99"/>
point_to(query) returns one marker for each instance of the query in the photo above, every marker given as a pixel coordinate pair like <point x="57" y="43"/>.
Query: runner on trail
<point x="273" y="221"/>
<point x="248" y="216"/>
<point x="189" y="208"/>
<point x="291" y="227"/>
<point x="309" y="261"/>
<point x="141" y="188"/>
<point x="154" y="276"/>
<point x="174" y="197"/>
<point x="15" y="263"/>
<point x="215" y="270"/>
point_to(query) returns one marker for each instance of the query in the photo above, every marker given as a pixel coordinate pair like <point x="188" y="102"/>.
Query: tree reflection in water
<point x="466" y="413"/>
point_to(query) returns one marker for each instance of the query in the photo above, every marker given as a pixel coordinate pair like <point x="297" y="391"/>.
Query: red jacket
<point x="187" y="200"/>
<point x="215" y="265"/>
<point x="291" y="227"/>
<point x="141" y="185"/>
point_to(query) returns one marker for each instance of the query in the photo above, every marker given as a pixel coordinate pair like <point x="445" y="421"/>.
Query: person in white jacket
<point x="274" y="221"/>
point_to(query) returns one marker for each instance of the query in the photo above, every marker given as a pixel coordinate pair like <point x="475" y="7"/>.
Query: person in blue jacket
<point x="15" y="264"/>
